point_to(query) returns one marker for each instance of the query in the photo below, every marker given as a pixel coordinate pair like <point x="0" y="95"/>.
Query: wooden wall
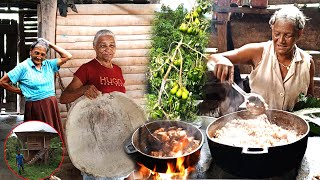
<point x="131" y="24"/>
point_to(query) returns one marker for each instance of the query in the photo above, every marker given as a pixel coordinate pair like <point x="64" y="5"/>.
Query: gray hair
<point x="100" y="33"/>
<point x="290" y="13"/>
<point x="40" y="43"/>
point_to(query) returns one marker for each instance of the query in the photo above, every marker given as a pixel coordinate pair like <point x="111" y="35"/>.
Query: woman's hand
<point x="91" y="92"/>
<point x="64" y="55"/>
<point x="222" y="67"/>
<point x="43" y="39"/>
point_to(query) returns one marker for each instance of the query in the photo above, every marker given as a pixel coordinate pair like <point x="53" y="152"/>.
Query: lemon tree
<point x="176" y="69"/>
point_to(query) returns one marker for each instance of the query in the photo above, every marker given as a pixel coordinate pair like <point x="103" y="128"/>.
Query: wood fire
<point x="174" y="171"/>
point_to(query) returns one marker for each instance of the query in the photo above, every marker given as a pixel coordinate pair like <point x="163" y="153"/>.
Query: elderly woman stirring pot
<point x="281" y="70"/>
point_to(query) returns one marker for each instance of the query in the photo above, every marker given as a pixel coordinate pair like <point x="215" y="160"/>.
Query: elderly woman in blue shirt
<point x="35" y="78"/>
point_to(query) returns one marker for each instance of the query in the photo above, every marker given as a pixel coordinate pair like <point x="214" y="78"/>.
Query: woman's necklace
<point x="288" y="66"/>
<point x="105" y="65"/>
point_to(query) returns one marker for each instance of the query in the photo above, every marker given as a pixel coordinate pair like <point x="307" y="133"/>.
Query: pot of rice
<point x="261" y="146"/>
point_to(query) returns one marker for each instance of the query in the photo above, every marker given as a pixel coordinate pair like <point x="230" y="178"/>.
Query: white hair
<point x="290" y="13"/>
<point x="102" y="33"/>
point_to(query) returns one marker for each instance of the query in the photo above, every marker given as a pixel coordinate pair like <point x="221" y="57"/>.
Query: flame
<point x="175" y="147"/>
<point x="174" y="171"/>
<point x="143" y="172"/>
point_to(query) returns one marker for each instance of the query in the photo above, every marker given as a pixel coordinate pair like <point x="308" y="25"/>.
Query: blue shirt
<point x="35" y="84"/>
<point x="19" y="159"/>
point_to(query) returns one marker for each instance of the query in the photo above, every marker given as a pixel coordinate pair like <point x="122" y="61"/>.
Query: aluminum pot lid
<point x="96" y="130"/>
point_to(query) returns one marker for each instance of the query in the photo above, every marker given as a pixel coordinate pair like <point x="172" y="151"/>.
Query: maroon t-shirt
<point x="104" y="79"/>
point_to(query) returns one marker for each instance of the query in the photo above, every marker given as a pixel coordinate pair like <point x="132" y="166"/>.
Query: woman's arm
<point x="4" y="82"/>
<point x="76" y="89"/>
<point x="247" y="54"/>
<point x="64" y="54"/>
<point x="311" y="85"/>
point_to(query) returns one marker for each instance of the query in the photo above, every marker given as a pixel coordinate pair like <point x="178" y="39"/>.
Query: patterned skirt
<point x="45" y="110"/>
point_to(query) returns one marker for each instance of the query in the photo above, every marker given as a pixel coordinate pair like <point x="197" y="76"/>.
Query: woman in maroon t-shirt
<point x="98" y="75"/>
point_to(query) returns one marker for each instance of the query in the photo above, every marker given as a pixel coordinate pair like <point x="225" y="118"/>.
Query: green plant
<point x="176" y="69"/>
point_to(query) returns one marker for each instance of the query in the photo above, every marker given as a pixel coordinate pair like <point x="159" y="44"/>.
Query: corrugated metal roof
<point x="34" y="126"/>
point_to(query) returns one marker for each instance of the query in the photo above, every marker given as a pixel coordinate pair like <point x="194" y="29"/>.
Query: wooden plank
<point x="22" y="49"/>
<point x="1" y="48"/>
<point x="222" y="31"/>
<point x="120" y="9"/>
<point x="12" y="48"/>
<point x="133" y="69"/>
<point x="31" y="39"/>
<point x="275" y="2"/>
<point x="89" y="54"/>
<point x="67" y="72"/>
<point x="138" y="44"/>
<point x="105" y="20"/>
<point x="30" y="34"/>
<point x="135" y="61"/>
<point x="31" y="28"/>
<point x="226" y="9"/>
<point x="134" y="79"/>
<point x="31" y="23"/>
<point x="47" y="22"/>
<point x="75" y="63"/>
<point x="136" y="87"/>
<point x="71" y="38"/>
<point x="136" y="94"/>
<point x="30" y="19"/>
<point x="91" y="31"/>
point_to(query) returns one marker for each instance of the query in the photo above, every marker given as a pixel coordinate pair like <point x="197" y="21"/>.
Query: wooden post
<point x="47" y="21"/>
<point x="21" y="46"/>
<point x="222" y="28"/>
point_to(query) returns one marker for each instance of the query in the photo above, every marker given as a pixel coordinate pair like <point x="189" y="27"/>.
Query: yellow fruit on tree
<point x="195" y="14"/>
<point x="177" y="62"/>
<point x="185" y="95"/>
<point x="183" y="27"/>
<point x="188" y="16"/>
<point x="174" y="89"/>
<point x="199" y="9"/>
<point x="197" y="21"/>
<point x="179" y="93"/>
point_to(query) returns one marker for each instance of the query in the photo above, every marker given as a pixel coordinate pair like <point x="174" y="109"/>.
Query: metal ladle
<point x="155" y="142"/>
<point x="254" y="102"/>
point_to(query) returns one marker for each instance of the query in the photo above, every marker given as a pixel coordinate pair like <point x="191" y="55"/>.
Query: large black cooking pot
<point x="140" y="146"/>
<point x="260" y="162"/>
